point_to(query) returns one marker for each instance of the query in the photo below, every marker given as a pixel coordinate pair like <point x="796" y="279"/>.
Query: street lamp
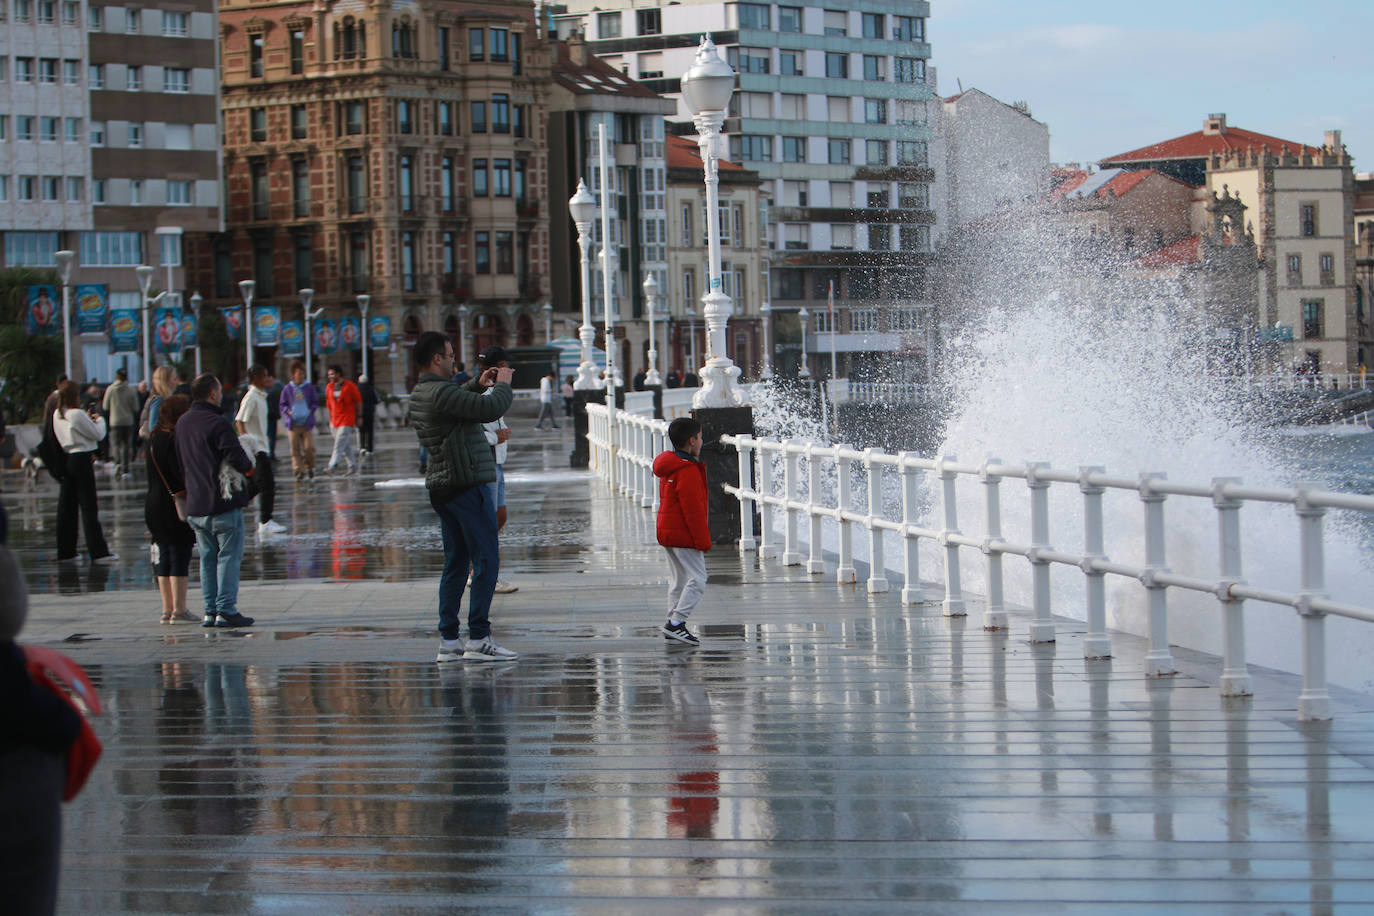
<point x="246" y="288"/>
<point x="804" y="317"/>
<point x="145" y="279"/>
<point x="548" y="322"/>
<point x="706" y="87"/>
<point x="607" y="270"/>
<point x="307" y="296"/>
<point x="364" y="302"/>
<point x="582" y="209"/>
<point x="766" y="310"/>
<point x="64" y="270"/>
<point x="463" y="336"/>
<point x="651" y="300"/>
<point x="692" y="339"/>
<point x="196" y="300"/>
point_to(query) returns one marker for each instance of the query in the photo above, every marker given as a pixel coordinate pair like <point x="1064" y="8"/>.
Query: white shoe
<point x="450" y="650"/>
<point x="271" y="526"/>
<point x="505" y="588"/>
<point x="484" y="650"/>
<point x="109" y="559"/>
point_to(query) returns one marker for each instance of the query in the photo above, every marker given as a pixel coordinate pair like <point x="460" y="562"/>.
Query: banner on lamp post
<point x="350" y="333"/>
<point x="293" y="338"/>
<point x="190" y="331"/>
<point x="124" y="328"/>
<point x="379" y="332"/>
<point x="92" y="307"/>
<point x="233" y="322"/>
<point x="167" y="329"/>
<point x="44" y="313"/>
<point x="267" y="326"/>
<point x="326" y="337"/>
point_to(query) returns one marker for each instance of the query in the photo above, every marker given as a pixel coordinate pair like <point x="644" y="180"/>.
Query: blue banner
<point x="124" y="330"/>
<point x="379" y="332"/>
<point x="292" y="338"/>
<point x="233" y="322"/>
<point x="267" y="326"/>
<point x="326" y="336"/>
<point x="167" y="330"/>
<point x="92" y="307"/>
<point x="190" y="331"/>
<point x="350" y="333"/>
<point x="44" y="310"/>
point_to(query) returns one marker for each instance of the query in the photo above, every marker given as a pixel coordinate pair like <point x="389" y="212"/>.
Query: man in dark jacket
<point x="447" y="418"/>
<point x="370" y="402"/>
<point x="212" y="462"/>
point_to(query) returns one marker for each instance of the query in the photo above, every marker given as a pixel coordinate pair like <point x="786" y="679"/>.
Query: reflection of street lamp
<point x="582" y="209"/>
<point x="145" y="279"/>
<point x="463" y="336"/>
<point x="307" y="296"/>
<point x="246" y="288"/>
<point x="64" y="270"/>
<point x="365" y="302"/>
<point x="706" y="88"/>
<point x="804" y="316"/>
<point x="196" y="300"/>
<point x="651" y="295"/>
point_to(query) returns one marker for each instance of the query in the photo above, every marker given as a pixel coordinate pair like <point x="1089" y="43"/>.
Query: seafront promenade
<point x="823" y="751"/>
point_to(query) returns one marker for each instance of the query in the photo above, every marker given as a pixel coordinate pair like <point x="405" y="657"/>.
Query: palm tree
<point x="28" y="365"/>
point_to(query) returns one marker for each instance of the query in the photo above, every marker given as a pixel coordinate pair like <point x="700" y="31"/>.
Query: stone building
<point x="396" y="150"/>
<point x="1364" y="267"/>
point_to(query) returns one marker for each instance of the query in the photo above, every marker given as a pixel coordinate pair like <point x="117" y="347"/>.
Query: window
<point x="911" y="113"/>
<point x="262" y="264"/>
<point x="1326" y="264"/>
<point x="1307" y="219"/>
<point x="836" y="22"/>
<point x="796" y="236"/>
<point x="23" y="10"/>
<point x="50" y="188"/>
<point x="908" y="28"/>
<point x="874" y="25"/>
<point x="445" y="114"/>
<point x="875" y="68"/>
<point x="479" y="178"/>
<point x="297" y="40"/>
<point x="875" y="152"/>
<point x="176" y="80"/>
<point x="135" y="134"/>
<point x="915" y="238"/>
<point x="47" y="70"/>
<point x="520" y="185"/>
<point x="879" y="198"/>
<point x="449" y="248"/>
<point x="4" y="188"/>
<point x="1295" y="270"/>
<point x="476" y="44"/>
<point x="357" y="184"/>
<point x="408" y="261"/>
<point x="95" y="18"/>
<point x="912" y="152"/>
<point x="97" y="76"/>
<point x="445" y="36"/>
<point x="608" y="25"/>
<point x="97" y="133"/>
<point x="500" y="177"/>
<point x="402" y="39"/>
<point x="133" y="79"/>
<point x="875" y="111"/>
<point x="255" y="54"/>
<point x="505" y="252"/>
<point x="794" y="193"/>
<point x="789" y="19"/>
<point x="46" y="11"/>
<point x="299" y="122"/>
<point x="257" y="124"/>
<point x="751" y="60"/>
<point x="4" y="127"/>
<point x="752" y="148"/>
<point x="500" y="114"/>
<point x="353" y="117"/>
<point x="792" y="107"/>
<point x="499" y="52"/>
<point x="27" y="187"/>
<point x="23" y="127"/>
<point x="686" y="225"/>
<point x="1312" y="324"/>
<point x="837" y="66"/>
<point x="358" y="260"/>
<point x="133" y="21"/>
<point x="792" y="63"/>
<point x="904" y="319"/>
<point x="258" y="190"/>
<point x="23" y="69"/>
<point x="519" y="115"/>
<point x="479" y="117"/>
<point x="879" y="238"/>
<point x="482" y="252"/>
<point x="910" y="69"/>
<point x="825" y="321"/>
<point x="838" y="152"/>
<point x="47" y="129"/>
<point x="837" y="109"/>
<point x="404" y="122"/>
<point x="515" y="53"/>
<point x="793" y="149"/>
<point x="788" y="283"/>
<point x="863" y="321"/>
<point x="37" y="249"/>
<point x="650" y="22"/>
<point x="651" y="65"/>
<point x="111" y="249"/>
<point x="754" y="16"/>
<point x="72" y="132"/>
<point x="300" y="187"/>
<point x="71" y="72"/>
<point x="841" y="236"/>
<point x="136" y="192"/>
<point x="304" y="258"/>
<point x="446" y="183"/>
<point x="350" y="39"/>
<point x="175" y="25"/>
<point x="180" y="193"/>
<point x="841" y="193"/>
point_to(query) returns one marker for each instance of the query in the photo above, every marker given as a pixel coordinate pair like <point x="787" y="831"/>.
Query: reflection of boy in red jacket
<point x="683" y="528"/>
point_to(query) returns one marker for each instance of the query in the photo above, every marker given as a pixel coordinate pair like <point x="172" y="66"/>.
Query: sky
<point x="1108" y="79"/>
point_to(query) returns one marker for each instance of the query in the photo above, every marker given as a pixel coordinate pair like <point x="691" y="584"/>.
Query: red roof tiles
<point x="1200" y="145"/>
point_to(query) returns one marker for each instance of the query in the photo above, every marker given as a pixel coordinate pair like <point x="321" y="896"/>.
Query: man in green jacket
<point x="448" y="419"/>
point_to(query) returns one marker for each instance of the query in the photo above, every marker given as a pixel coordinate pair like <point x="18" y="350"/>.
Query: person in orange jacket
<point x="345" y="416"/>
<point x="683" y="526"/>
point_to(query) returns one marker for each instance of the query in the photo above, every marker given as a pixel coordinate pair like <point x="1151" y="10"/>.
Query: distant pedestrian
<point x="498" y="437"/>
<point x="690" y="380"/>
<point x="545" y="401"/>
<point x="674" y="379"/>
<point x="461" y="375"/>
<point x="683" y="526"/>
<point x="569" y="395"/>
<point x="638" y="380"/>
<point x="212" y="460"/>
<point x="251" y="424"/>
<point x="448" y="421"/>
<point x="299" y="401"/>
<point x="121" y="406"/>
<point x="370" y="401"/>
<point x="78" y="432"/>
<point x="345" y="413"/>
<point x="172" y="537"/>
<point x="273" y="415"/>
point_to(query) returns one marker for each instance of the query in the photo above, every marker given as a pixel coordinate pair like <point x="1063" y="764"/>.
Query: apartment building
<point x="109" y="145"/>
<point x="393" y="151"/>
<point x="833" y="111"/>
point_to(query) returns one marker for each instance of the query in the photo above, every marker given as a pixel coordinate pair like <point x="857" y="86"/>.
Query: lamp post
<point x="651" y="294"/>
<point x="548" y="322"/>
<point x="307" y="296"/>
<point x="145" y="279"/>
<point x="766" y="310"/>
<point x="692" y="339"/>
<point x="463" y="336"/>
<point x="607" y="260"/>
<point x="804" y="317"/>
<point x="196" y="301"/>
<point x="64" y="271"/>
<point x="582" y="209"/>
<point x="246" y="288"/>
<point x="706" y="87"/>
<point x="364" y="303"/>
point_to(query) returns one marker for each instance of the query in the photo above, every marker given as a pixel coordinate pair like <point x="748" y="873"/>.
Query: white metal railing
<point x="1284" y="381"/>
<point x="1365" y="420"/>
<point x="760" y="458"/>
<point x="890" y="392"/>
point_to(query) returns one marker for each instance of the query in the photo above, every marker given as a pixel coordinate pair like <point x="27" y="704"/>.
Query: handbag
<point x="178" y="499"/>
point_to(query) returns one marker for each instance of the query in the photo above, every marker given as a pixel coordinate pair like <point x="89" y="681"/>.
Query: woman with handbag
<point x="79" y="435"/>
<point x="164" y="513"/>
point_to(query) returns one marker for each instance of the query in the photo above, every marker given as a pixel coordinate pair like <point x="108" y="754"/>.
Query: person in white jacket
<point x="79" y="434"/>
<point x="546" y="402"/>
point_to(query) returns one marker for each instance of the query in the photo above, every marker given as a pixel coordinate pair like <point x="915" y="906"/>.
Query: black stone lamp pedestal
<point x="722" y="465"/>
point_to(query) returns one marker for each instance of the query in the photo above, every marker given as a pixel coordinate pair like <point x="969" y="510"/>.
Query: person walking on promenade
<point x="251" y="423"/>
<point x="172" y="537"/>
<point x="448" y="420"/>
<point x="545" y="400"/>
<point x="569" y="395"/>
<point x="683" y="524"/>
<point x="78" y="433"/>
<point x="208" y="449"/>
<point x="368" y="391"/>
<point x="345" y="413"/>
<point x="498" y="437"/>
<point x="121" y="406"/>
<point x="299" y="401"/>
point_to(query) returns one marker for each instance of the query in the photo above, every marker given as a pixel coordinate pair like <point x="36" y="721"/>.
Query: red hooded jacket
<point x="682" y="515"/>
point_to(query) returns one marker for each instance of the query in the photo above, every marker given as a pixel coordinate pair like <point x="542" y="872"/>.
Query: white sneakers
<point x="505" y="588"/>
<point x="271" y="526"/>
<point x="484" y="650"/>
<point x="450" y="650"/>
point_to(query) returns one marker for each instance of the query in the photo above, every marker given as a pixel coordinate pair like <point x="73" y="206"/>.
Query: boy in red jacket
<point x="683" y="529"/>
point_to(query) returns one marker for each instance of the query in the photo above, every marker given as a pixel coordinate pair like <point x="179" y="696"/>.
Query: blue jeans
<point x="468" y="525"/>
<point x="220" y="538"/>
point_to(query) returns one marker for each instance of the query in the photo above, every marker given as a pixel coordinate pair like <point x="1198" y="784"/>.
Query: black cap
<point x="493" y="355"/>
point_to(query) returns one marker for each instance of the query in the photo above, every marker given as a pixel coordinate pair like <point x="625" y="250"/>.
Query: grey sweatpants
<point x="689" y="579"/>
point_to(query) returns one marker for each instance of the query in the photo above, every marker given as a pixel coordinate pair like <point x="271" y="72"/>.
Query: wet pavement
<point x="823" y="751"/>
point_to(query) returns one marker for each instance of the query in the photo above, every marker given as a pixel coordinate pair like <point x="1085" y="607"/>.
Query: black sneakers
<point x="233" y="620"/>
<point x="679" y="632"/>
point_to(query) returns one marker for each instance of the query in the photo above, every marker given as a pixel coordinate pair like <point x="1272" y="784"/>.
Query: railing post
<point x="768" y="537"/>
<point x="1235" y="678"/>
<point x="657" y="447"/>
<point x="744" y="450"/>
<point x="911" y="544"/>
<point x="1158" y="661"/>
<point x="1096" y="642"/>
<point x="844" y="471"/>
<point x="1314" y="703"/>
<point x="877" y="571"/>
<point x="791" y="556"/>
<point x="646" y="465"/>
<point x="995" y="616"/>
<point x="1042" y="627"/>
<point x="953" y="604"/>
<point x="815" y="564"/>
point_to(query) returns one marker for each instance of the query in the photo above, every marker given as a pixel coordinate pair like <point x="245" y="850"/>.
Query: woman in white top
<point x="79" y="435"/>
